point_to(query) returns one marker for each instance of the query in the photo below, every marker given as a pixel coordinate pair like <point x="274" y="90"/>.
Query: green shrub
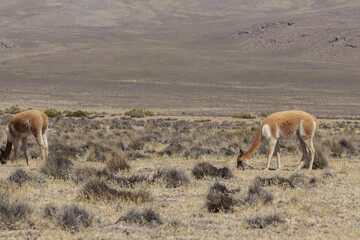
<point x="139" y="112"/>
<point x="52" y="112"/>
<point x="77" y="113"/>
<point x="244" y="115"/>
<point x="13" y="109"/>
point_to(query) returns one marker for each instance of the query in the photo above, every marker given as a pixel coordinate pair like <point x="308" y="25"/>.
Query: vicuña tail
<point x="255" y="144"/>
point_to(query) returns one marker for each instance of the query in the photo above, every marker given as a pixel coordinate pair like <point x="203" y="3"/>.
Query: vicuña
<point x="279" y="125"/>
<point x="21" y="126"/>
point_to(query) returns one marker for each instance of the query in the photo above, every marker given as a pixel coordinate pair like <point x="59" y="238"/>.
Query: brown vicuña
<point x="21" y="126"/>
<point x="283" y="124"/>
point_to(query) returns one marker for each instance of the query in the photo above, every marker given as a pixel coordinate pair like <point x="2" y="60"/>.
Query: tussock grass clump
<point x="173" y="149"/>
<point x="57" y="167"/>
<point x="99" y="190"/>
<point x="19" y="177"/>
<point x="73" y="217"/>
<point x="320" y="160"/>
<point x="220" y="199"/>
<point x="130" y="181"/>
<point x="50" y="211"/>
<point x="12" y="212"/>
<point x="173" y="177"/>
<point x="206" y="169"/>
<point x="117" y="161"/>
<point x="257" y="194"/>
<point x="262" y="222"/>
<point x="147" y="217"/>
<point x="82" y="174"/>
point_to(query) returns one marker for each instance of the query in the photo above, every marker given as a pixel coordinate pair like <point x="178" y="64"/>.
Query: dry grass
<point x="57" y="167"/>
<point x="162" y="188"/>
<point x="206" y="169"/>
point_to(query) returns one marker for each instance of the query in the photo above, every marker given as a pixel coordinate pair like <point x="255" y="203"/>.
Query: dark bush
<point x="206" y="169"/>
<point x="262" y="222"/>
<point x="148" y="216"/>
<point x="73" y="217"/>
<point x="220" y="199"/>
<point x="50" y="211"/>
<point x="172" y="177"/>
<point x="19" y="177"/>
<point x="57" y="167"/>
<point x="97" y="189"/>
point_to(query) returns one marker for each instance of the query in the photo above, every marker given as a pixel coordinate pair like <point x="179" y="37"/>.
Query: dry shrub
<point x="12" y="212"/>
<point x="257" y="194"/>
<point x="147" y="217"/>
<point x="130" y="181"/>
<point x="73" y="217"/>
<point x="57" y="167"/>
<point x="262" y="222"/>
<point x="19" y="177"/>
<point x="99" y="190"/>
<point x="173" y="177"/>
<point x="320" y="160"/>
<point x="50" y="211"/>
<point x="173" y="149"/>
<point x="206" y="169"/>
<point x="82" y="174"/>
<point x="220" y="199"/>
<point x="300" y="180"/>
<point x="277" y="181"/>
<point x="117" y="161"/>
<point x="348" y="144"/>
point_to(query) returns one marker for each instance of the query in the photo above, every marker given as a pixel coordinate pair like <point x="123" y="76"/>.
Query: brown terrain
<point x="195" y="57"/>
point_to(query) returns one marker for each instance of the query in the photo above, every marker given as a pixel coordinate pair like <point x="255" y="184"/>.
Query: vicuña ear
<point x="241" y="152"/>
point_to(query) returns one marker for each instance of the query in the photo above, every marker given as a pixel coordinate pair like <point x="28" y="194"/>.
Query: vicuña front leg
<point x="277" y="152"/>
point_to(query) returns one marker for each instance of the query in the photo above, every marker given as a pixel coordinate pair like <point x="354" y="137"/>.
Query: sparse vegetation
<point x="117" y="161"/>
<point x="245" y="116"/>
<point x="139" y="113"/>
<point x="72" y="217"/>
<point x="220" y="199"/>
<point x="19" y="177"/>
<point x="263" y="222"/>
<point x="147" y="217"/>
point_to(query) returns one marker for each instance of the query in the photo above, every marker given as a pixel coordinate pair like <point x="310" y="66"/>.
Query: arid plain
<point x="195" y="64"/>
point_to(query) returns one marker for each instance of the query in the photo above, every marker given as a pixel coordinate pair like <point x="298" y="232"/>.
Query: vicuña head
<point x="279" y="125"/>
<point x="22" y="125"/>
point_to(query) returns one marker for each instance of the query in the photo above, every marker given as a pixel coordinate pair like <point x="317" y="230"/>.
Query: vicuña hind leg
<point x="277" y="152"/>
<point x="24" y="148"/>
<point x="272" y="144"/>
<point x="304" y="150"/>
<point x="44" y="136"/>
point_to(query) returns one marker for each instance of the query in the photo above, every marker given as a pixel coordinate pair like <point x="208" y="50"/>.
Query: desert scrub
<point x="19" y="177"/>
<point x="206" y="169"/>
<point x="13" y="109"/>
<point x="52" y="112"/>
<point x="72" y="217"/>
<point x="173" y="177"/>
<point x="77" y="113"/>
<point x="244" y="115"/>
<point x="147" y="217"/>
<point x="262" y="222"/>
<point x="139" y="112"/>
<point x="117" y="161"/>
<point x="220" y="199"/>
<point x="12" y="212"/>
